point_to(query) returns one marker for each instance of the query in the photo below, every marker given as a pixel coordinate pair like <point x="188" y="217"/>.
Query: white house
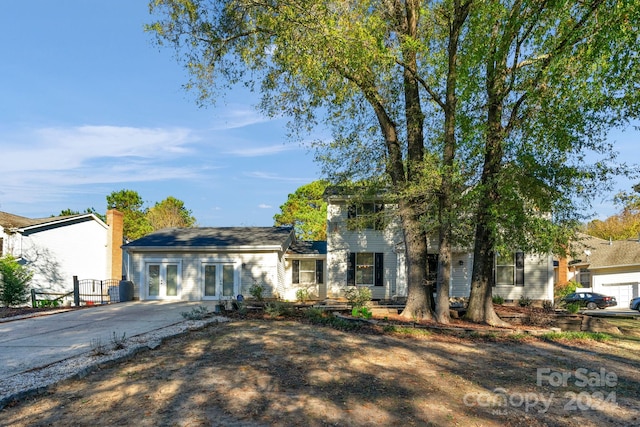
<point x="57" y="248"/>
<point x="610" y="267"/>
<point x="222" y="263"/>
<point x="209" y="263"/>
<point x="372" y="254"/>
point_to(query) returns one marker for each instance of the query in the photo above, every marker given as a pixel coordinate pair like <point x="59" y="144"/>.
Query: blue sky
<point x="89" y="106"/>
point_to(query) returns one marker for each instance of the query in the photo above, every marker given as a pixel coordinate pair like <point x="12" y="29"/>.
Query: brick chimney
<point x="114" y="243"/>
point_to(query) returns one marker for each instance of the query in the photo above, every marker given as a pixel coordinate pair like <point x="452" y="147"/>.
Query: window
<point x="307" y="271"/>
<point x="509" y="269"/>
<point x="366" y="216"/>
<point x="365" y="269"/>
<point x="585" y="278"/>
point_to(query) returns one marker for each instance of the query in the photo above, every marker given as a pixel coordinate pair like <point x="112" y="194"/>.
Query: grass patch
<point x="576" y="336"/>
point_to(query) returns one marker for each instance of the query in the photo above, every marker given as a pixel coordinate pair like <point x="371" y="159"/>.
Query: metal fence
<point x="92" y="291"/>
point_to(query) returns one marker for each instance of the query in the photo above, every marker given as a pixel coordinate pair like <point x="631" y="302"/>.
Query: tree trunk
<point x="419" y="300"/>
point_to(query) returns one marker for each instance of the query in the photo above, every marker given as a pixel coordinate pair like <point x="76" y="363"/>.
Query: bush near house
<point x="561" y="291"/>
<point x="14" y="282"/>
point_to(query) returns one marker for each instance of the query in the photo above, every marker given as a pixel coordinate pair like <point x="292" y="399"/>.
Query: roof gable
<point x="24" y="224"/>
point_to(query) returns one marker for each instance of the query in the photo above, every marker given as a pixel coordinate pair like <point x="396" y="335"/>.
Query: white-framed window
<point x="366" y="216"/>
<point x="307" y="271"/>
<point x="365" y="269"/>
<point x="509" y="269"/>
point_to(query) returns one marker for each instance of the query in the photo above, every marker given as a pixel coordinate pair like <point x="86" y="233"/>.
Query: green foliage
<point x="257" y="291"/>
<point x="306" y="211"/>
<point x="497" y="300"/>
<point x="524" y="301"/>
<point x="573" y="307"/>
<point x="14" y="282"/>
<point x="169" y="213"/>
<point x="561" y="291"/>
<point x="131" y="204"/>
<point x="45" y="303"/>
<point x="362" y="312"/>
<point x="321" y="317"/>
<point x="302" y="295"/>
<point x="138" y="221"/>
<point x="576" y="336"/>
<point x="358" y="296"/>
<point x="278" y="308"/>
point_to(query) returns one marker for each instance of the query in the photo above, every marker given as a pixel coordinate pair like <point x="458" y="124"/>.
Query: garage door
<point x="624" y="292"/>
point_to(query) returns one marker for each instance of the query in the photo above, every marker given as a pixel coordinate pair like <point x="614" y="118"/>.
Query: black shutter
<point x="296" y="271"/>
<point x="351" y="269"/>
<point x="351" y="211"/>
<point x="519" y="268"/>
<point x="319" y="271"/>
<point x="379" y="269"/>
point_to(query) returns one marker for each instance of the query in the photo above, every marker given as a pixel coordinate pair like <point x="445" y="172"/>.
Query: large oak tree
<point x="485" y="110"/>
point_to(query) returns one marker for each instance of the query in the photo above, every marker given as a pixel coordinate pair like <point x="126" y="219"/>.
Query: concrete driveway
<point x="36" y="342"/>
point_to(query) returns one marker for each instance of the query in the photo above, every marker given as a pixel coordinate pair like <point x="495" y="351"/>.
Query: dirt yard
<point x="259" y="372"/>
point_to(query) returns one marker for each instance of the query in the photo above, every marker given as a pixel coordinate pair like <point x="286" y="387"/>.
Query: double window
<point x="367" y="216"/>
<point x="307" y="271"/>
<point x="365" y="269"/>
<point x="509" y="269"/>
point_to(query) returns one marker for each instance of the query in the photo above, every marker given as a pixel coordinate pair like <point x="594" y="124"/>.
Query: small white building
<point x="57" y="248"/>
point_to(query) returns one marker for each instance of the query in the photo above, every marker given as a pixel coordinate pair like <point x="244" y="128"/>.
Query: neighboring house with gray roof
<point x="209" y="263"/>
<point x="57" y="248"/>
<point x="610" y="267"/>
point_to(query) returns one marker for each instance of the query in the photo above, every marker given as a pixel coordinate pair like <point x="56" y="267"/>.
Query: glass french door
<point x="219" y="281"/>
<point x="163" y="280"/>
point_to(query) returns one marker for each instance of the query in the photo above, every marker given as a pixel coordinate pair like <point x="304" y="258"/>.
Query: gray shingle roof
<point x="605" y="253"/>
<point x="317" y="247"/>
<point x="8" y="220"/>
<point x="214" y="237"/>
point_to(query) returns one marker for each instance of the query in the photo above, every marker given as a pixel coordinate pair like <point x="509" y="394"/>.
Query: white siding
<point x="341" y="242"/>
<point x="56" y="254"/>
<point x="538" y="280"/>
<point x="250" y="268"/>
<point x="618" y="282"/>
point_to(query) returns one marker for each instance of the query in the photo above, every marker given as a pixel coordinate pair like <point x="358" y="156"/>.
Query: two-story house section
<point x="365" y="247"/>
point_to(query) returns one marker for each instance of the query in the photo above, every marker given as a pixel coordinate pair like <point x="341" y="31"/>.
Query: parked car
<point x="591" y="300"/>
<point x="635" y="304"/>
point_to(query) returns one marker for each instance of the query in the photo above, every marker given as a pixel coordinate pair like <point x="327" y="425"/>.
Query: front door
<point x="163" y="280"/>
<point x="219" y="281"/>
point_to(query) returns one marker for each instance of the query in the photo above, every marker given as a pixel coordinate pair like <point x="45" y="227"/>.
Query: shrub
<point x="573" y="307"/>
<point x="548" y="306"/>
<point x="524" y="301"/>
<point x="302" y="295"/>
<point x="561" y="291"/>
<point x="363" y="312"/>
<point x="278" y="308"/>
<point x="256" y="291"/>
<point x="118" y="341"/>
<point x="358" y="296"/>
<point x="196" y="313"/>
<point x="14" y="282"/>
<point x="498" y="300"/>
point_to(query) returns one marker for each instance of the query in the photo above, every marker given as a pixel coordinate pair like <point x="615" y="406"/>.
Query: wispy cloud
<point x="238" y="117"/>
<point x="260" y="151"/>
<point x="275" y="177"/>
<point x="264" y="206"/>
<point x="49" y="164"/>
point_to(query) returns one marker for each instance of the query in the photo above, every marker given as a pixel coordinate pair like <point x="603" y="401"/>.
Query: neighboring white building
<point x="609" y="267"/>
<point x="57" y="248"/>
